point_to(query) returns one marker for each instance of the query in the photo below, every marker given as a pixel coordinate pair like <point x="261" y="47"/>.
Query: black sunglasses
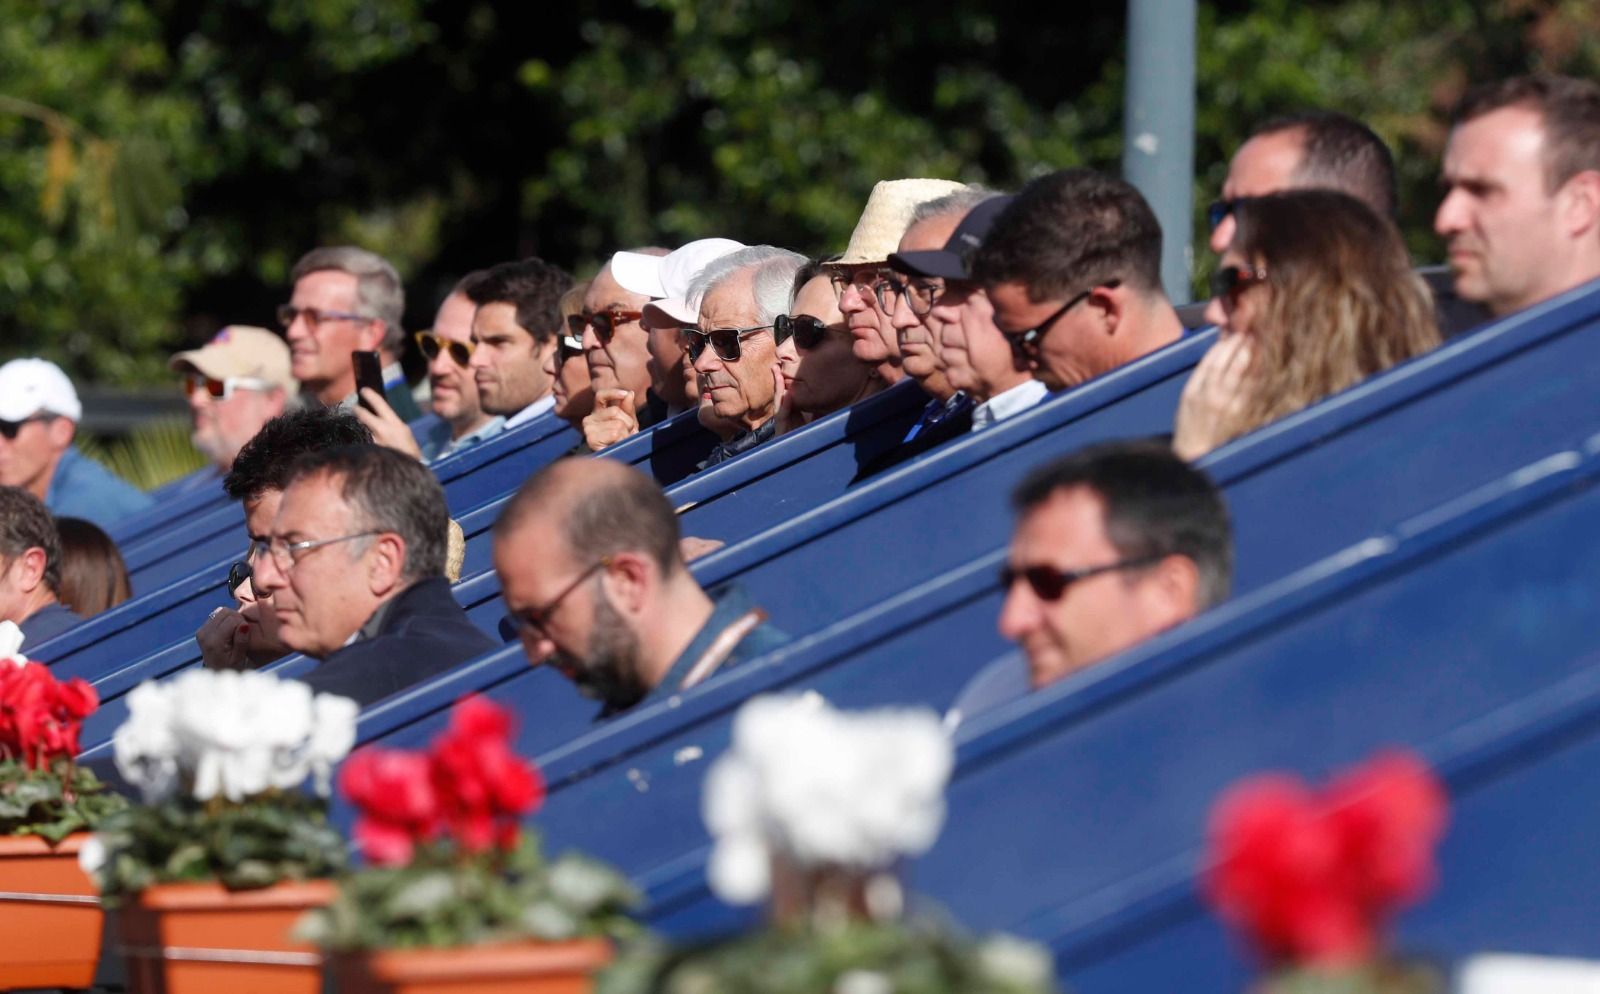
<point x="724" y="341"/>
<point x="238" y="573"/>
<point x="1220" y="209"/>
<point x="1030" y="336"/>
<point x="432" y="343"/>
<point x="1230" y="281"/>
<point x="806" y="330"/>
<point x="9" y="429"/>
<point x="1049" y="583"/>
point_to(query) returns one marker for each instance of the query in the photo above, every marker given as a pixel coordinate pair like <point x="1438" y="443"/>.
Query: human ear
<point x="30" y="569"/>
<point x="1109" y="306"/>
<point x="629" y="581"/>
<point x="1173" y="589"/>
<point x="1581" y="203"/>
<point x="61" y="432"/>
<point x="386" y="563"/>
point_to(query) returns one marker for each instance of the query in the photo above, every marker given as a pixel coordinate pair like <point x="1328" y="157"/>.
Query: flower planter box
<point x="201" y="938"/>
<point x="50" y="914"/>
<point x="523" y="967"/>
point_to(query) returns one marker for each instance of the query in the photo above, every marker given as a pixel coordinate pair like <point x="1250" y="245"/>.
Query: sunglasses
<point x="221" y="389"/>
<point x="9" y="429"/>
<point x="724" y="341"/>
<point x="314" y="316"/>
<point x="807" y="331"/>
<point x="1230" y="281"/>
<point x="605" y="322"/>
<point x="1031" y="336"/>
<point x="1049" y="583"/>
<point x="238" y="573"/>
<point x="432" y="343"/>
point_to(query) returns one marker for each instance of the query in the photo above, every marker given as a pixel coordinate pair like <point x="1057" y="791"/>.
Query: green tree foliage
<point x="165" y="161"/>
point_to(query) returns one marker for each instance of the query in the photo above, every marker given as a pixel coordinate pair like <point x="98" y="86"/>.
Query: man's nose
<point x="1017" y="614"/>
<point x="1222" y="235"/>
<point x="708" y="361"/>
<point x="1448" y="219"/>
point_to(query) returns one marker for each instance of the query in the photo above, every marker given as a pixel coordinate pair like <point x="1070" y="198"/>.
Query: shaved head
<point x="599" y="507"/>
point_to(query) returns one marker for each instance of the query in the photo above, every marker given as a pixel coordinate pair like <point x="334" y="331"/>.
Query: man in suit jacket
<point x="355" y="569"/>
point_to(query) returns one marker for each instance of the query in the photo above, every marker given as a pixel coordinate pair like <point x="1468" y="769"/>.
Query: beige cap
<point x="240" y="351"/>
<point x="888" y="215"/>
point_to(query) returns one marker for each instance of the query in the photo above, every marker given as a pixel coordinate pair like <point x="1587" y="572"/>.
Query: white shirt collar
<point x="1007" y="403"/>
<point x="530" y="412"/>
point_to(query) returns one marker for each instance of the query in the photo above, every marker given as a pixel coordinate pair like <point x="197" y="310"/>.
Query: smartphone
<point x="369" y="373"/>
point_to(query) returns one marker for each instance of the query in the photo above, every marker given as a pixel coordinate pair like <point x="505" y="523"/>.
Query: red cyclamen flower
<point x="393" y="791"/>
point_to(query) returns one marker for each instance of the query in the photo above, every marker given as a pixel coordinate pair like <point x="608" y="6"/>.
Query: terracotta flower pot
<point x="49" y="914"/>
<point x="523" y="967"/>
<point x="200" y="938"/>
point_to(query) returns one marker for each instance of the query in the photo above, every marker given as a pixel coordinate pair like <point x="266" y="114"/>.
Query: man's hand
<point x="386" y="427"/>
<point x="1215" y="397"/>
<point x="612" y="419"/>
<point x="223" y="640"/>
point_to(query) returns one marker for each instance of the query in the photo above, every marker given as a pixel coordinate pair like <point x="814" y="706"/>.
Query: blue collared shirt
<point x="437" y="443"/>
<point x="82" y="488"/>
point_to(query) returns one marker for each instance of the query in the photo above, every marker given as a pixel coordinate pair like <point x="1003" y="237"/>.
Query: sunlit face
<point x="1264" y="164"/>
<point x="579" y="631"/>
<point x="667" y="358"/>
<point x="223" y="425"/>
<point x="1094" y="617"/>
<point x="741" y="390"/>
<point x="918" y="336"/>
<point x="29" y="460"/>
<point x="624" y="361"/>
<point x="455" y="388"/>
<point x="1070" y="348"/>
<point x="1238" y="312"/>
<point x="1503" y="228"/>
<point x="326" y="595"/>
<point x="875" y="341"/>
<point x="507" y="362"/>
<point x="320" y="357"/>
<point x="978" y="359"/>
<point x="830" y="375"/>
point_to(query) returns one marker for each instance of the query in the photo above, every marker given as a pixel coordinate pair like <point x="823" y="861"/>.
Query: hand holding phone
<point x="369" y="373"/>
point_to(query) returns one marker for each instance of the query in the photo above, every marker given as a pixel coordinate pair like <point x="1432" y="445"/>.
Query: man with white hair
<point x="735" y="348"/>
<point x="39" y="415"/>
<point x="235" y="383"/>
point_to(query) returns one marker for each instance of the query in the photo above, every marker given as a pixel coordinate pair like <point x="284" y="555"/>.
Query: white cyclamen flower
<point x="145" y="748"/>
<point x="92" y="855"/>
<point x="10" y="641"/>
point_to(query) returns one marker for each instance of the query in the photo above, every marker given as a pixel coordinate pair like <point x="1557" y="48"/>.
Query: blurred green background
<point x="164" y="162"/>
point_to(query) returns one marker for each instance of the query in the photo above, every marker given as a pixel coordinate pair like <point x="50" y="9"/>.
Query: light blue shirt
<point x="82" y="488"/>
<point x="437" y="443"/>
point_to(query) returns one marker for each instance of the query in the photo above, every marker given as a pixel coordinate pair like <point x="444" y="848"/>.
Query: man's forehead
<point x="326" y="283"/>
<point x="730" y="305"/>
<point x="605" y="292"/>
<point x="454" y="319"/>
<point x="1069" y="518"/>
<point x="311" y="499"/>
<point x="1265" y="164"/>
<point x="1506" y="145"/>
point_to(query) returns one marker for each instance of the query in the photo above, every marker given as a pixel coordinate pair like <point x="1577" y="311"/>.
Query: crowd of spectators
<point x="978" y="304"/>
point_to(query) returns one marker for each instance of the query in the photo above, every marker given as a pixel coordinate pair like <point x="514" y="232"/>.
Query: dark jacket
<point x="940" y="422"/>
<point x="45" y="624"/>
<point x="423" y="632"/>
<point x="742" y="442"/>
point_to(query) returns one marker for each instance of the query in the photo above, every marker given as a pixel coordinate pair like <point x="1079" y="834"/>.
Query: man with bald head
<point x="588" y="560"/>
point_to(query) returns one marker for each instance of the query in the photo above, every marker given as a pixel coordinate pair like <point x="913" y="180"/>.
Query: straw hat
<point x="888" y="215"/>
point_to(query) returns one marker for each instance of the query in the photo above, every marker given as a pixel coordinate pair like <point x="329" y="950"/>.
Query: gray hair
<point x="387" y="491"/>
<point x="773" y="278"/>
<point x="955" y="202"/>
<point x="379" y="292"/>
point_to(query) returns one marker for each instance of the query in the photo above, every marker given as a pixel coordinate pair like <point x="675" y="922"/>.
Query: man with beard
<point x="588" y="559"/>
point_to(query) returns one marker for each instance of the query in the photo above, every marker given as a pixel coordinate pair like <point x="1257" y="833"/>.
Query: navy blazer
<point x="424" y="633"/>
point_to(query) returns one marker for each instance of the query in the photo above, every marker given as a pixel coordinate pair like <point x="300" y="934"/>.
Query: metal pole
<point x="1158" y="127"/>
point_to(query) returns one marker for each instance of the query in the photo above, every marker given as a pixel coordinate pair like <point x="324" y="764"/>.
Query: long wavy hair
<point x="1342" y="300"/>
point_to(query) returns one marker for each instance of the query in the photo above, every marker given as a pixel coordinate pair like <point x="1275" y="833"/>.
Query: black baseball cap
<point x="953" y="262"/>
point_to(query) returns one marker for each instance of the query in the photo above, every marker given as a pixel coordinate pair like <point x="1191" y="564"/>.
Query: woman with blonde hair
<point x="1314" y="294"/>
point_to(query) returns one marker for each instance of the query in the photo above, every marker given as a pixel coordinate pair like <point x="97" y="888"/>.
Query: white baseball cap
<point x="32" y="386"/>
<point x="665" y="279"/>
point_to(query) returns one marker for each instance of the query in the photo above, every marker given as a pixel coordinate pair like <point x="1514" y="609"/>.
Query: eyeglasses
<point x="1230" y="281"/>
<point x="238" y="573"/>
<point x="314" y="316"/>
<point x="568" y="347"/>
<point x="1049" y="583"/>
<point x="920" y="294"/>
<point x="724" y="341"/>
<point x="221" y="389"/>
<point x="1220" y="209"/>
<point x="806" y="330"/>
<point x="9" y="429"/>
<point x="536" y="619"/>
<point x="287" y="555"/>
<point x="874" y="281"/>
<point x="1031" y="336"/>
<point x="605" y="322"/>
<point x="432" y="343"/>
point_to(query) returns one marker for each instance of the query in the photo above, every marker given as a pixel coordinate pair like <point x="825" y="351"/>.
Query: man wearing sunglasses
<point x="235" y="383"/>
<point x="1113" y="545"/>
<point x="30" y="569"/>
<point x="589" y="564"/>
<point x="735" y="349"/>
<point x="514" y="329"/>
<point x="1073" y="269"/>
<point x="616" y="347"/>
<point x="39" y="414"/>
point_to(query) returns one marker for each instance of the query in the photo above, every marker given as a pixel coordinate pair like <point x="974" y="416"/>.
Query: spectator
<point x="93" y="575"/>
<point x="1113" y="545"/>
<point x="861" y="276"/>
<point x="568" y="372"/>
<point x="616" y="347"/>
<point x="515" y="328"/>
<point x="1073" y="269"/>
<point x="354" y="567"/>
<point x="1325" y="150"/>
<point x="825" y="374"/>
<point x="1521" y="213"/>
<point x="235" y="383"/>
<point x="978" y="360"/>
<point x="665" y="279"/>
<point x="448" y="349"/>
<point x="30" y="569"/>
<point x="247" y="636"/>
<point x="345" y="300"/>
<point x="588" y="558"/>
<point x="741" y="296"/>
<point x="1314" y="294"/>
<point x="39" y="414"/>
